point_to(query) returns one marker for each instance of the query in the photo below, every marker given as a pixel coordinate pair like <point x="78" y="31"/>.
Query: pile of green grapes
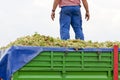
<point x="41" y="40"/>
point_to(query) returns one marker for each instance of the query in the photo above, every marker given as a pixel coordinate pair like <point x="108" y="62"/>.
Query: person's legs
<point x="65" y="19"/>
<point x="76" y="22"/>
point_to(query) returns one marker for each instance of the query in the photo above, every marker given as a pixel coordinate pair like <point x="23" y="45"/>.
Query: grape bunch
<point x="42" y="40"/>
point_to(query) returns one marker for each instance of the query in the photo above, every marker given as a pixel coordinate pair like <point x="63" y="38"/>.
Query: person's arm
<point x="55" y="4"/>
<point x="85" y="4"/>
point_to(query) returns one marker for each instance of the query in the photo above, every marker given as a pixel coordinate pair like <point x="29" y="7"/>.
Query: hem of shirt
<point x="68" y="5"/>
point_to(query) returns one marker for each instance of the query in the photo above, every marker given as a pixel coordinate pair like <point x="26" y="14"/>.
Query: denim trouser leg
<point x="71" y="15"/>
<point x="76" y="22"/>
<point x="65" y="20"/>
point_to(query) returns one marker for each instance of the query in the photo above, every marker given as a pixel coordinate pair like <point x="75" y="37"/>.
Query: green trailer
<point x="69" y="64"/>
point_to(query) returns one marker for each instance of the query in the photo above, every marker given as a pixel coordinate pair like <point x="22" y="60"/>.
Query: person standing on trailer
<point x="70" y="14"/>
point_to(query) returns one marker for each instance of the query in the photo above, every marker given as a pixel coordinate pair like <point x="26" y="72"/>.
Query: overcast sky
<point x="25" y="17"/>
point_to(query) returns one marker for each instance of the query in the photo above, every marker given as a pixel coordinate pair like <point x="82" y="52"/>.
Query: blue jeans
<point x="71" y="15"/>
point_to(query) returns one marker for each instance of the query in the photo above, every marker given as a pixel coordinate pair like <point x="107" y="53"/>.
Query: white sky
<point x="25" y="17"/>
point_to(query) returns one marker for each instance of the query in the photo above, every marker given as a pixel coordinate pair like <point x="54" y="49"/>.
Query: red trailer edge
<point x="115" y="72"/>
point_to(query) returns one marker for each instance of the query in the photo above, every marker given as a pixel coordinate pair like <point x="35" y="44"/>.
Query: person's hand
<point x="87" y="16"/>
<point x="53" y="15"/>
